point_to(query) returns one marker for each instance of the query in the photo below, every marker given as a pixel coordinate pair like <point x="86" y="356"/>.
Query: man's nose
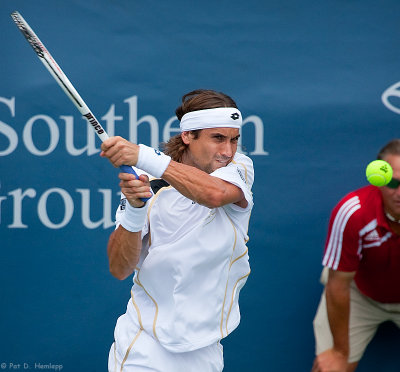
<point x="227" y="149"/>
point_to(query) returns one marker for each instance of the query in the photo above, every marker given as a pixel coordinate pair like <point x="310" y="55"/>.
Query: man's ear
<point x="186" y="138"/>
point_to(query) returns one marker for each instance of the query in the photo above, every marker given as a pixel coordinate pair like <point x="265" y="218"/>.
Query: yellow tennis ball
<point x="379" y="173"/>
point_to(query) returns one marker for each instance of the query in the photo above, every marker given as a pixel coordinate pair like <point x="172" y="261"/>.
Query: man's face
<point x="391" y="197"/>
<point x="214" y="148"/>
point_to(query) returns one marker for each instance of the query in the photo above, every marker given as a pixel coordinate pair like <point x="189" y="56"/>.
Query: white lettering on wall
<point x="106" y="220"/>
<point x="80" y="140"/>
<point x="169" y="132"/>
<point x="72" y="131"/>
<point x="68" y="207"/>
<point x="7" y="130"/>
<point x="19" y="200"/>
<point x="53" y="131"/>
<point x="18" y="196"/>
<point x="110" y="119"/>
<point x="90" y="146"/>
<point x="134" y="123"/>
<point x="392" y="92"/>
<point x="258" y="137"/>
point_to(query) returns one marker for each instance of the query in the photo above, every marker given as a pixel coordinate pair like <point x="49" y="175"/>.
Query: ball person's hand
<point x="330" y="361"/>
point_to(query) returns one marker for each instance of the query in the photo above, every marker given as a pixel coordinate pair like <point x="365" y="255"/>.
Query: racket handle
<point x="129" y="169"/>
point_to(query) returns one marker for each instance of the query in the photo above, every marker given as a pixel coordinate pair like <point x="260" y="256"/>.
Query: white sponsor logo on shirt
<point x="373" y="236"/>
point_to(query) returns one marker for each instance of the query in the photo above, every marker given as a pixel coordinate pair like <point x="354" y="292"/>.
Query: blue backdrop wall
<point x="316" y="82"/>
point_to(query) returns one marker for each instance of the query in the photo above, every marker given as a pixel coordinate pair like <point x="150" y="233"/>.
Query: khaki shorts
<point x="365" y="317"/>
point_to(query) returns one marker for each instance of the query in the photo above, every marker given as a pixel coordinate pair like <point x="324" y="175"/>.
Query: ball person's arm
<point x="337" y="291"/>
<point x="124" y="247"/>
<point x="191" y="182"/>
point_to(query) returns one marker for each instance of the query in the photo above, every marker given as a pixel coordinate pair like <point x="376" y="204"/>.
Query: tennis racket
<point x="64" y="82"/>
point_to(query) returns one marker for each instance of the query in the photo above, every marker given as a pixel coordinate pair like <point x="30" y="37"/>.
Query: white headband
<point x="221" y="117"/>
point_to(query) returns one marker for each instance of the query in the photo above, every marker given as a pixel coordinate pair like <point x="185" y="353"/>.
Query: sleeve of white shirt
<point x="239" y="172"/>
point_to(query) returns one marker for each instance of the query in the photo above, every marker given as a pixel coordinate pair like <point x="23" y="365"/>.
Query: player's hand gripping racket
<point x="64" y="83"/>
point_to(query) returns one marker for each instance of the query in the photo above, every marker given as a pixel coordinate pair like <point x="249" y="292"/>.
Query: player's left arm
<point x="202" y="188"/>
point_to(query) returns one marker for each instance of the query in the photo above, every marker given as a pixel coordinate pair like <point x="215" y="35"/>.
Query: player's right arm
<point x="124" y="246"/>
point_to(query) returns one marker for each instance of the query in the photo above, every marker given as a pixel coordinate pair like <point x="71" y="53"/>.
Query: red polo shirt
<point x="360" y="239"/>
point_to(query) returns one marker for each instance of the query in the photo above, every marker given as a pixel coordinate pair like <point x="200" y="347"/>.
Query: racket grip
<point x="129" y="169"/>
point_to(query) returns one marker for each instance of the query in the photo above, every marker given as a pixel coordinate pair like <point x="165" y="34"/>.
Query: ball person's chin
<point x="396" y="209"/>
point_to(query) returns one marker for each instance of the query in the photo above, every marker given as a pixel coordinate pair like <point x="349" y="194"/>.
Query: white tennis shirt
<point x="193" y="263"/>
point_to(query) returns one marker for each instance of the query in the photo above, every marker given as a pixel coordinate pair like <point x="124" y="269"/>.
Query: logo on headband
<point x="235" y="116"/>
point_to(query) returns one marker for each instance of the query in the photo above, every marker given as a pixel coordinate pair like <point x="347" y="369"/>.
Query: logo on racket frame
<point x="38" y="48"/>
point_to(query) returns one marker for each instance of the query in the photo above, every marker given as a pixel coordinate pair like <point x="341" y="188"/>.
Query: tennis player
<point x="186" y="245"/>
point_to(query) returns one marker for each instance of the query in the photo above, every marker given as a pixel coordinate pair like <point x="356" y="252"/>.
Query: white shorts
<point x="365" y="317"/>
<point x="143" y="353"/>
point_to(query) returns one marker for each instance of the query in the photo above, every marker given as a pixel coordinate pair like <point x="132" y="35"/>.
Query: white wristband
<point x="152" y="161"/>
<point x="134" y="218"/>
